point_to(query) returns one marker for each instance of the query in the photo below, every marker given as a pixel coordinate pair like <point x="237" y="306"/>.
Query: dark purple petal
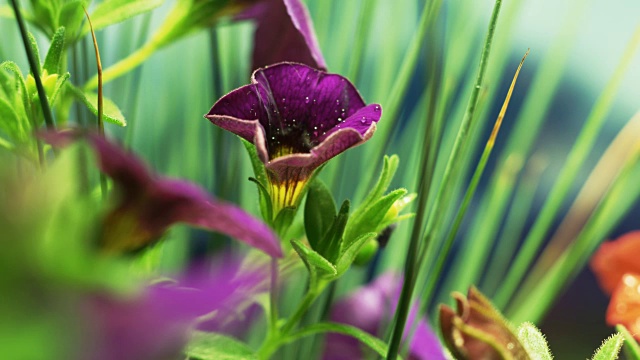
<point x="306" y="117"/>
<point x="284" y="33"/>
<point x="371" y="308"/>
<point x="148" y="205"/>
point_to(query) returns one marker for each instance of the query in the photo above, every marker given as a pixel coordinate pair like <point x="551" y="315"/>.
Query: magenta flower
<point x="284" y="32"/>
<point x="147" y="204"/>
<point x="370" y="308"/>
<point x="298" y="118"/>
<point x="156" y="324"/>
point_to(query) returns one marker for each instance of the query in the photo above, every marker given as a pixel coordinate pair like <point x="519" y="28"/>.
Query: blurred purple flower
<point x="298" y="118"/>
<point x="156" y="324"/>
<point x="284" y="32"/>
<point x="370" y="308"/>
<point x="147" y="205"/>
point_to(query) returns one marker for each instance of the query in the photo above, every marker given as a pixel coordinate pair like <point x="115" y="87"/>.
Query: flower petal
<point x="284" y="33"/>
<point x="150" y="204"/>
<point x="615" y="258"/>
<point x="624" y="307"/>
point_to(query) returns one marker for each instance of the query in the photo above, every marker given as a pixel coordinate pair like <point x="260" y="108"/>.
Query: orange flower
<point x="616" y="258"/>
<point x="624" y="307"/>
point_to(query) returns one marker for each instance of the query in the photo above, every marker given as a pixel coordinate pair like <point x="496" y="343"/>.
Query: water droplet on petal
<point x="338" y="102"/>
<point x="306" y="100"/>
<point x="339" y="119"/>
<point x="376" y="108"/>
<point x="363" y="120"/>
<point x="283" y="99"/>
<point x="315" y="128"/>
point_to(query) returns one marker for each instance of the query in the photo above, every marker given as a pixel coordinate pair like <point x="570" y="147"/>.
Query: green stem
<point x="35" y="68"/>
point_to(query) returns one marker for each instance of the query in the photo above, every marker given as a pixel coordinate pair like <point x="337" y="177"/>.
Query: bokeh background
<point x="165" y="99"/>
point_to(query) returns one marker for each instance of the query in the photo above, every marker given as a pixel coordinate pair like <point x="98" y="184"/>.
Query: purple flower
<point x="156" y="324"/>
<point x="298" y="118"/>
<point x="370" y="308"/>
<point x="147" y="204"/>
<point x="284" y="32"/>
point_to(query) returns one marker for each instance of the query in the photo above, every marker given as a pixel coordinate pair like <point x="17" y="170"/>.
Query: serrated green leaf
<point x="319" y="212"/>
<point x="111" y="113"/>
<point x="34" y="47"/>
<point x="377" y="345"/>
<point x="632" y="345"/>
<point x="348" y="255"/>
<point x="214" y="346"/>
<point x="534" y="342"/>
<point x="610" y="349"/>
<point x="370" y="219"/>
<point x="52" y="62"/>
<point x="13" y="68"/>
<point x="389" y="167"/>
<point x="114" y="11"/>
<point x="315" y="263"/>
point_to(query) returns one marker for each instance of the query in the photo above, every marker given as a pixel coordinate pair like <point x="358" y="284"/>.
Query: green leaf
<point x="34" y="47"/>
<point x="114" y="11"/>
<point x="9" y="120"/>
<point x="348" y="255"/>
<point x="22" y="85"/>
<point x="53" y="60"/>
<point x="331" y="243"/>
<point x="534" y="342"/>
<point x="632" y="345"/>
<point x="59" y="84"/>
<point x="610" y="348"/>
<point x="214" y="346"/>
<point x="266" y="207"/>
<point x="319" y="212"/>
<point x="283" y="221"/>
<point x="317" y="265"/>
<point x="370" y="219"/>
<point x="377" y="345"/>
<point x="111" y="114"/>
<point x="261" y="175"/>
<point x="389" y="168"/>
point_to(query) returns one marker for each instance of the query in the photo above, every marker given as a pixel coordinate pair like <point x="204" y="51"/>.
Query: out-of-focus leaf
<point x="610" y="348"/>
<point x="111" y="114"/>
<point x="52" y="62"/>
<point x="114" y="11"/>
<point x="534" y="342"/>
<point x="9" y="120"/>
<point x="71" y="16"/>
<point x="214" y="346"/>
